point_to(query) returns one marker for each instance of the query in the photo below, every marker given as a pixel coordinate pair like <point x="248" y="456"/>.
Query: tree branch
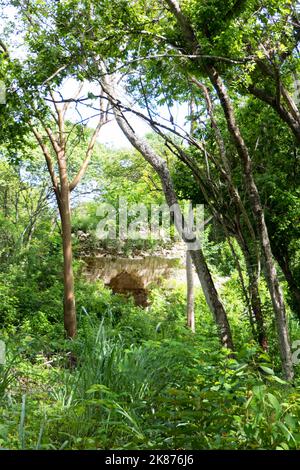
<point x="47" y="156"/>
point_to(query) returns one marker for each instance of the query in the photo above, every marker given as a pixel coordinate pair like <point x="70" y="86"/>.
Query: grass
<point x="144" y="381"/>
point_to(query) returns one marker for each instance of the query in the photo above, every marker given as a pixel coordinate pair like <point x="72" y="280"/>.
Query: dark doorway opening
<point x="129" y="284"/>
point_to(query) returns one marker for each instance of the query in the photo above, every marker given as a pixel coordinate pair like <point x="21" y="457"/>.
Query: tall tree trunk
<point x="190" y="300"/>
<point x="212" y="298"/>
<point x="292" y="283"/>
<point x="160" y="166"/>
<point x="63" y="188"/>
<point x="256" y="307"/>
<point x="270" y="269"/>
<point x="193" y="47"/>
<point x="69" y="295"/>
<point x="283" y="112"/>
<point x="254" y="296"/>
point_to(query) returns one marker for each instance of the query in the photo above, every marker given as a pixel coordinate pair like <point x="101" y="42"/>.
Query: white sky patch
<point x="110" y="135"/>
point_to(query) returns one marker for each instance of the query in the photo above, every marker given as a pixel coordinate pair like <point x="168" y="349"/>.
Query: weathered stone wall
<point x="133" y="276"/>
<point x="148" y="269"/>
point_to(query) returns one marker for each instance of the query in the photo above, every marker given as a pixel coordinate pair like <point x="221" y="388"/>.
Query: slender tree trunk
<point x="5" y="202"/>
<point x="244" y="289"/>
<point x="190" y="300"/>
<point x="256" y="308"/>
<point x="69" y="295"/>
<point x="160" y="166"/>
<point x="292" y="283"/>
<point x="254" y="296"/>
<point x="63" y="188"/>
<point x="212" y="298"/>
<point x="288" y="117"/>
<point x="193" y="47"/>
<point x="270" y="269"/>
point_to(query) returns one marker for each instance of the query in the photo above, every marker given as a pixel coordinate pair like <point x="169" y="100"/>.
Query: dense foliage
<point x="216" y="83"/>
<point x="143" y="381"/>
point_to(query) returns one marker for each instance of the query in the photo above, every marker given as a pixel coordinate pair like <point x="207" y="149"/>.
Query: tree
<point x="61" y="142"/>
<point x="188" y="42"/>
<point x="160" y="166"/>
<point x="192" y="47"/>
<point x="190" y="292"/>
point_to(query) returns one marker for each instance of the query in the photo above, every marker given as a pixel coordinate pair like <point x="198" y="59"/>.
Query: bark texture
<point x="270" y="268"/>
<point x="198" y="258"/>
<point x="192" y="46"/>
<point x="62" y="189"/>
<point x="190" y="300"/>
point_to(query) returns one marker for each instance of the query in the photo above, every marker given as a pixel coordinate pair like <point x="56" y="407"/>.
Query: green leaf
<point x="274" y="402"/>
<point x="98" y="388"/>
<point x="267" y="370"/>
<point x="277" y="379"/>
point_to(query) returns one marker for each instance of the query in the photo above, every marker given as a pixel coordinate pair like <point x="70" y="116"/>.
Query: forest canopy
<point x="149" y="224"/>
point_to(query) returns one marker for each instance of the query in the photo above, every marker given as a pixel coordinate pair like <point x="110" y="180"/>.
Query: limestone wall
<point x="149" y="269"/>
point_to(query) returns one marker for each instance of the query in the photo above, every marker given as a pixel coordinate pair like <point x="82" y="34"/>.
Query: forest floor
<point x="139" y="379"/>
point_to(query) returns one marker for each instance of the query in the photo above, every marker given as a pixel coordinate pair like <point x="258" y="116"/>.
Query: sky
<point x="110" y="135"/>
